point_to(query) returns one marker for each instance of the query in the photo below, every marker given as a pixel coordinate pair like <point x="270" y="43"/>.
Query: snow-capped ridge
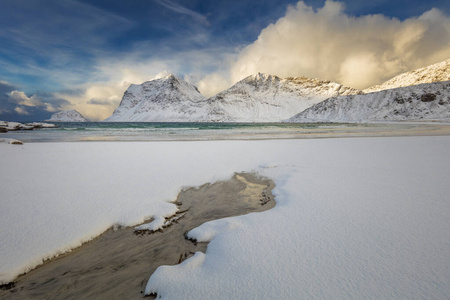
<point x="268" y="98"/>
<point x="257" y="98"/>
<point x="434" y="73"/>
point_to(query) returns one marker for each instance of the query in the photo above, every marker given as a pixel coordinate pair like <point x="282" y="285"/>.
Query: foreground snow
<point x="355" y="218"/>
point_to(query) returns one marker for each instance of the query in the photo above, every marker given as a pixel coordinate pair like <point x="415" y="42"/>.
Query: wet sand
<point x="118" y="264"/>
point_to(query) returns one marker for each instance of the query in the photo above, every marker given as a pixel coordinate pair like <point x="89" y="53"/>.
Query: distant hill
<point x="67" y="116"/>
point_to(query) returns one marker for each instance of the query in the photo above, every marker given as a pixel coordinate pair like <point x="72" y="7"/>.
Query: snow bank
<point x="362" y="218"/>
<point x="355" y="218"/>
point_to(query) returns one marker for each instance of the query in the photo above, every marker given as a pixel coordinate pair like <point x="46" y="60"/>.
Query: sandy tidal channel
<point x="118" y="264"/>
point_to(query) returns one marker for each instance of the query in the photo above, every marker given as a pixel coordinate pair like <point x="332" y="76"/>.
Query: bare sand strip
<point x="117" y="264"/>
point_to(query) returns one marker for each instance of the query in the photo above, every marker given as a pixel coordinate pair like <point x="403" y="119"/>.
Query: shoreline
<point x="117" y="263"/>
<point x="246" y="133"/>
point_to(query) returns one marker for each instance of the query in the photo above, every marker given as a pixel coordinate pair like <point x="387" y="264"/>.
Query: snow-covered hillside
<point x="67" y="116"/>
<point x="433" y="73"/>
<point x="268" y="98"/>
<point x="428" y="101"/>
<point x="168" y="99"/>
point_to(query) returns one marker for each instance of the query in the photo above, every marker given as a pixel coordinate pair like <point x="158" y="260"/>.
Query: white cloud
<point x="356" y="51"/>
<point x="21" y="99"/>
<point x="183" y="10"/>
<point x="212" y="84"/>
<point x="51" y="108"/>
<point x="49" y="103"/>
<point x="21" y="111"/>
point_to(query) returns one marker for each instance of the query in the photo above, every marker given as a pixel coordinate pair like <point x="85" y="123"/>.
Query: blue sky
<point x="64" y="54"/>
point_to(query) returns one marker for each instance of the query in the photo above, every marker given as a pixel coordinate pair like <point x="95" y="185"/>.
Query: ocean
<point x="148" y="131"/>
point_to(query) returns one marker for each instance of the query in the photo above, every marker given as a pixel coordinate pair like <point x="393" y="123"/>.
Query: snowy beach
<point x="224" y="149"/>
<point x="355" y="218"/>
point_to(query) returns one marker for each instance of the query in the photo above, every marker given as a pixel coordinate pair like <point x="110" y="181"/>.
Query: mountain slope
<point x="268" y="98"/>
<point x="168" y="99"/>
<point x="67" y="116"/>
<point x="428" y="101"/>
<point x="433" y="73"/>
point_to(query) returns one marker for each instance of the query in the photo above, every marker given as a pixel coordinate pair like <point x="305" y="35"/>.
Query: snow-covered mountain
<point x="168" y="99"/>
<point x="268" y="98"/>
<point x="433" y="73"/>
<point x="428" y="101"/>
<point x="67" y="116"/>
<point x="257" y="98"/>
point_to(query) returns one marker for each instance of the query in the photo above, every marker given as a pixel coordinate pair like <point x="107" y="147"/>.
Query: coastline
<point x="164" y="132"/>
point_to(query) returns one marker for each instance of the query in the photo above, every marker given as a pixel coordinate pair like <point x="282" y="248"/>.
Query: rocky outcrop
<point x="13" y="126"/>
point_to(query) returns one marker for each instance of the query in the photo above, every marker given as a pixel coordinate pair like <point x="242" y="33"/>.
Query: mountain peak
<point x="261" y="77"/>
<point x="171" y="77"/>
<point x="168" y="99"/>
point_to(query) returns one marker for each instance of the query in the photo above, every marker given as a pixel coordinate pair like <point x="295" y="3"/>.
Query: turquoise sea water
<point x="136" y="131"/>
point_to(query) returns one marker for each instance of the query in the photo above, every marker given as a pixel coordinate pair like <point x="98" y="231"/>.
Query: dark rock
<point x="399" y="100"/>
<point x="428" y="97"/>
<point x="7" y="286"/>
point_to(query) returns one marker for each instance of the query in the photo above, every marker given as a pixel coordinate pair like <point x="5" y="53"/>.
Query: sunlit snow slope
<point x="433" y="73"/>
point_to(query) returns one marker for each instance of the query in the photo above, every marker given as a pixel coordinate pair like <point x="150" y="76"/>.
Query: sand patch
<point x="118" y="264"/>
